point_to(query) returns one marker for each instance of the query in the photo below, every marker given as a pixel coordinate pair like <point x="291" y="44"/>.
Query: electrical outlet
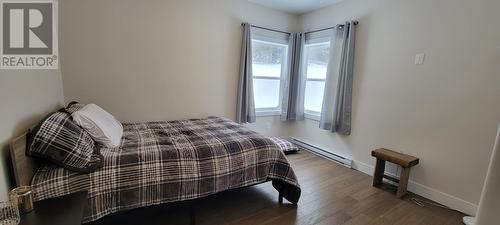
<point x="419" y="59"/>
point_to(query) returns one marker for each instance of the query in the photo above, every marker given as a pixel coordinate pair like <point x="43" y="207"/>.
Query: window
<point x="270" y="70"/>
<point x="316" y="56"/>
<point x="268" y="66"/>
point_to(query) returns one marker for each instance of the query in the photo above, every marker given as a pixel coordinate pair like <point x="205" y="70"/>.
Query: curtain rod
<point x="328" y="28"/>
<point x="269" y="29"/>
<point x="284" y="32"/>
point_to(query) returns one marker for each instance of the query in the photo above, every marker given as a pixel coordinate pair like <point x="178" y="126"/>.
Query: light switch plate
<point x="419" y="59"/>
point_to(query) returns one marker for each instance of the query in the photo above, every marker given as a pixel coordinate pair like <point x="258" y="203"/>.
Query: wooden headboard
<point x="24" y="166"/>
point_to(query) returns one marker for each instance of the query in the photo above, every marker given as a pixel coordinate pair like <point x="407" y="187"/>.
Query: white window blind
<point x="269" y="67"/>
<point x="316" y="56"/>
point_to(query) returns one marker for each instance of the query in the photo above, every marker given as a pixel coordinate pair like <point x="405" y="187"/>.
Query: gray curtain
<point x="294" y="83"/>
<point x="245" y="112"/>
<point x="337" y="99"/>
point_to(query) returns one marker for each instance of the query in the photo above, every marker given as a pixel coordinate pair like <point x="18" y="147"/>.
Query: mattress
<point x="162" y="162"/>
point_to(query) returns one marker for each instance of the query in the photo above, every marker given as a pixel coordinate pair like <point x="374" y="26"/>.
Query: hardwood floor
<point x="331" y="194"/>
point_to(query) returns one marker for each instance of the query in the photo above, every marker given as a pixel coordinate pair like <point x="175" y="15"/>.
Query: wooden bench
<point x="403" y="160"/>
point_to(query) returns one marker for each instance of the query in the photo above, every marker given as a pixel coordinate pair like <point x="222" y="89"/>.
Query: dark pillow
<point x="61" y="141"/>
<point x="286" y="146"/>
<point x="73" y="107"/>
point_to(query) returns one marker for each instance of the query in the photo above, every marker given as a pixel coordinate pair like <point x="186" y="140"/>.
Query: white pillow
<point x="101" y="125"/>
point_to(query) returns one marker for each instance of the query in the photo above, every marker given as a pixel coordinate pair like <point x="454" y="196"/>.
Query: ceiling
<point x="295" y="6"/>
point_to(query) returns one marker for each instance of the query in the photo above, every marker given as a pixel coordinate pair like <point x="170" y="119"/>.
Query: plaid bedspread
<point x="160" y="162"/>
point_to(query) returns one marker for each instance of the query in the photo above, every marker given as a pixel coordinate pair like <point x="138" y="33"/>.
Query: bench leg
<point x="403" y="182"/>
<point x="379" y="172"/>
<point x="280" y="198"/>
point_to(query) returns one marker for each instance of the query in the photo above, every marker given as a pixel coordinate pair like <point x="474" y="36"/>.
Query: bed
<point x="163" y="162"/>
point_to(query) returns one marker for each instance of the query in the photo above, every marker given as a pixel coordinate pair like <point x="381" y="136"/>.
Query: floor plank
<point x="331" y="194"/>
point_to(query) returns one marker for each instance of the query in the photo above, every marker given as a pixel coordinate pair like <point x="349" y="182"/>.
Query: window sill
<point x="311" y="116"/>
<point x="268" y="113"/>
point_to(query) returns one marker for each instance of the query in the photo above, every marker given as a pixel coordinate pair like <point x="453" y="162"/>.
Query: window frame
<point x="310" y="114"/>
<point x="273" y="111"/>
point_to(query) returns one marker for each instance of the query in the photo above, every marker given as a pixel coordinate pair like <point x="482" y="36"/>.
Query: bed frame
<point x="25" y="167"/>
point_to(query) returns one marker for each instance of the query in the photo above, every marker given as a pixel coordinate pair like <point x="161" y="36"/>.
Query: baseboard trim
<point x="323" y="153"/>
<point x="427" y="192"/>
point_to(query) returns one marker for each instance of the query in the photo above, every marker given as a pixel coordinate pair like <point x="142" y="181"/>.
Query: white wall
<point x="156" y="59"/>
<point x="445" y="111"/>
<point x="25" y="97"/>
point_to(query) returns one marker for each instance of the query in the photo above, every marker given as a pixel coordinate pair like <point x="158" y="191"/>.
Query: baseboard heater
<point x="322" y="152"/>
